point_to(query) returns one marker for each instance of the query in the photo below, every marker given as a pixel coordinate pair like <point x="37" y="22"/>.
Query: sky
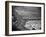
<point x="26" y="11"/>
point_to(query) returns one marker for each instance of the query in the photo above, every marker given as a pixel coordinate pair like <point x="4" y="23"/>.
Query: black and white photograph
<point x="25" y="18"/>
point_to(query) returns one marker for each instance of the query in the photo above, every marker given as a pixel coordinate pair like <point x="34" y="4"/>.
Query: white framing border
<point x="24" y="32"/>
